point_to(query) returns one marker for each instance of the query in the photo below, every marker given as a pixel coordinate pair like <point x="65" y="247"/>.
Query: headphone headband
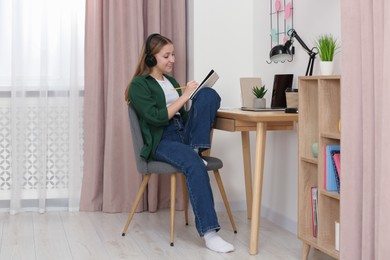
<point x="148" y="41"/>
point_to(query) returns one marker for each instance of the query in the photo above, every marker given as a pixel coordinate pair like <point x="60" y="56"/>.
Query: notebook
<point x="278" y="98"/>
<point x="208" y="81"/>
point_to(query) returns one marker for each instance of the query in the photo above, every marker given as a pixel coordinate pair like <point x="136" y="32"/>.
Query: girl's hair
<point x="156" y="43"/>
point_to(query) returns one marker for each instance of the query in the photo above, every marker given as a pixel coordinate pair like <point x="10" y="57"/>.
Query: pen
<point x="181" y="87"/>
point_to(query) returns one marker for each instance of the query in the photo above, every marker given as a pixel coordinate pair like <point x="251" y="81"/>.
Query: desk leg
<point x="246" y="153"/>
<point x="261" y="129"/>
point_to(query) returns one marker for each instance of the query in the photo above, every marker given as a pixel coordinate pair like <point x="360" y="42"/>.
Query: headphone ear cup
<point x="150" y="60"/>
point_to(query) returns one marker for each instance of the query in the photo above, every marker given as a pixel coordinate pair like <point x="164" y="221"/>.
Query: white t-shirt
<point x="170" y="92"/>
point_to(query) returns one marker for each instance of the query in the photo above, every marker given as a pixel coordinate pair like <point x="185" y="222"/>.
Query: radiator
<point x="35" y="146"/>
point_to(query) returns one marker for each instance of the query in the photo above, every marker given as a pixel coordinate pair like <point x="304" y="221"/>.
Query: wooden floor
<point x="96" y="235"/>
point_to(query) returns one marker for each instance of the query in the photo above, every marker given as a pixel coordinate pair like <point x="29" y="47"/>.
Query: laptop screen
<point x="281" y="83"/>
<point x="246" y="90"/>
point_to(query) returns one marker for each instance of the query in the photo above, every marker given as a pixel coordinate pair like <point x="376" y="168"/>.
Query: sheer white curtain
<point x="41" y="95"/>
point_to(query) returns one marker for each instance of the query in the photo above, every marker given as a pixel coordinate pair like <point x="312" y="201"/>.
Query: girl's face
<point x="165" y="59"/>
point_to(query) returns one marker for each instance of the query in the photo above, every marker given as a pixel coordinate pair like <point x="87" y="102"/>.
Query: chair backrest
<point x="138" y="141"/>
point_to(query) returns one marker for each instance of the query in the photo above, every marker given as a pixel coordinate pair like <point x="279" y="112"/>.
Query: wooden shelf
<point x="331" y="194"/>
<point x="336" y="136"/>
<point x="310" y="160"/>
<point x="319" y="118"/>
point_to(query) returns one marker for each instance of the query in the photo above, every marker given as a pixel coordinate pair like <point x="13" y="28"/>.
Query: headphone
<point x="150" y="60"/>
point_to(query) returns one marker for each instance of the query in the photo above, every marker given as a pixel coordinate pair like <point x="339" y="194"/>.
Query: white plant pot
<point x="259" y="103"/>
<point x="326" y="67"/>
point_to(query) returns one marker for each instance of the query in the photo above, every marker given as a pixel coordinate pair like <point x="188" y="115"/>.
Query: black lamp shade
<point x="280" y="52"/>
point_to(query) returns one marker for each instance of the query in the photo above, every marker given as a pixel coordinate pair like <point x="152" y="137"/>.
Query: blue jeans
<point x="177" y="148"/>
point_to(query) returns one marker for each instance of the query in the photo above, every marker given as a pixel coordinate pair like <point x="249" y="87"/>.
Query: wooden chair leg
<point x="137" y="200"/>
<point x="225" y="200"/>
<point x="173" y="197"/>
<point x="185" y="198"/>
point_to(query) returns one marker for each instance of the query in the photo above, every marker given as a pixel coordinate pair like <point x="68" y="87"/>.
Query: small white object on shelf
<point x="337" y="235"/>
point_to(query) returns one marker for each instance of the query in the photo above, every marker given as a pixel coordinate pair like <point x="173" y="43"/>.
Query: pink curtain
<point x="115" y="32"/>
<point x="365" y="120"/>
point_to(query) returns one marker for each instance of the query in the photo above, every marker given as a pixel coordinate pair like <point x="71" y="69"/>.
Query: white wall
<point x="232" y="37"/>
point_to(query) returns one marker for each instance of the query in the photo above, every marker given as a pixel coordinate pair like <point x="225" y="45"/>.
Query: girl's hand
<point x="175" y="106"/>
<point x="191" y="86"/>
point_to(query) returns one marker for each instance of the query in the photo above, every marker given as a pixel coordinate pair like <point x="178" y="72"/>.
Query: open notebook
<point x="208" y="81"/>
<point x="278" y="100"/>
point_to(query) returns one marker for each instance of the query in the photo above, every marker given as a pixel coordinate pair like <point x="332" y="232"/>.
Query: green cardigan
<point x="149" y="102"/>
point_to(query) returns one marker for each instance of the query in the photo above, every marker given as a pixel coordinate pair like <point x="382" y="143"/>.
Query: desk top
<point x="256" y="116"/>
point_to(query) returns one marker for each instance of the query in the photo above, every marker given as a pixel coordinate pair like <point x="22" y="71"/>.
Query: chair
<point x="157" y="167"/>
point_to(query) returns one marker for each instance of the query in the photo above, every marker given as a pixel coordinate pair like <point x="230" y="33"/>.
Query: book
<point x="330" y="182"/>
<point x="208" y="81"/>
<point x="336" y="158"/>
<point x="314" y="210"/>
<point x="336" y="154"/>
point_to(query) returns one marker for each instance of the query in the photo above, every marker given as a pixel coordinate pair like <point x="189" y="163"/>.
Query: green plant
<point x="327" y="46"/>
<point x="259" y="92"/>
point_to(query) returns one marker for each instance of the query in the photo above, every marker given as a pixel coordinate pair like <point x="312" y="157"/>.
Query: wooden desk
<point x="244" y="121"/>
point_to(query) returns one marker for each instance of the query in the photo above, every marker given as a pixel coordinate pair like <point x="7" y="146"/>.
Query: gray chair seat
<point x="166" y="168"/>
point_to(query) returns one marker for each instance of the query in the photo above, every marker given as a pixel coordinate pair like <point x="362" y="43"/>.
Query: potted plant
<point x="259" y="101"/>
<point x="327" y="46"/>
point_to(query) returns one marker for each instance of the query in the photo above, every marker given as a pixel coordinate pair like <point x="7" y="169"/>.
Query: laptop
<point x="278" y="98"/>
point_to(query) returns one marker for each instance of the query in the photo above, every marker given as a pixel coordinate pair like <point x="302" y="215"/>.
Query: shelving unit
<point x="319" y="115"/>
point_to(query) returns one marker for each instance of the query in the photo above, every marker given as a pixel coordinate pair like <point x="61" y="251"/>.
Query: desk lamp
<point x="283" y="52"/>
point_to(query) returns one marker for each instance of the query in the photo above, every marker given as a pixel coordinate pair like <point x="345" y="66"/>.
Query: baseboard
<point x="279" y="219"/>
<point x="268" y="213"/>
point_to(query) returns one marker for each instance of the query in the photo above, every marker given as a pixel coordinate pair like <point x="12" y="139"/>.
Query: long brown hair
<point x="156" y="43"/>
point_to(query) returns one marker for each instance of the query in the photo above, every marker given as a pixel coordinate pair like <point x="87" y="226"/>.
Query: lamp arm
<point x="312" y="52"/>
<point x="295" y="35"/>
